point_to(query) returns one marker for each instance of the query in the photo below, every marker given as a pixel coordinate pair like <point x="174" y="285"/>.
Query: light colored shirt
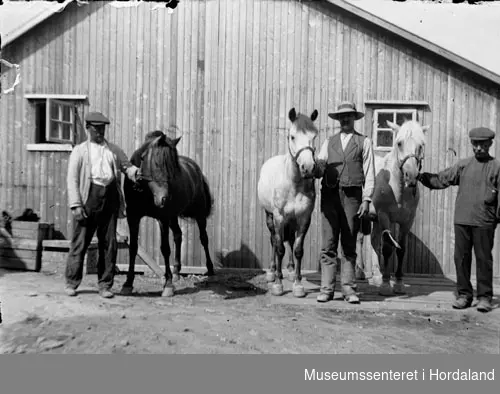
<point x="368" y="162"/>
<point x="101" y="159"/>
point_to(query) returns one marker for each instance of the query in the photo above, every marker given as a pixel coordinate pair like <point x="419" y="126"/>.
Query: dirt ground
<point x="230" y="313"/>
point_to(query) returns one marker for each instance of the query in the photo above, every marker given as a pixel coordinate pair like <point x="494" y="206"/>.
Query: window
<point x="56" y="121"/>
<point x="378" y="113"/>
<point x="383" y="135"/>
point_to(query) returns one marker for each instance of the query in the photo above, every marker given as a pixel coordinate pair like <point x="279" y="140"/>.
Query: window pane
<point x="54" y="129"/>
<point x="383" y="117"/>
<point x="66" y="113"/>
<point x="403" y="116"/>
<point x="384" y="138"/>
<point x="66" y="131"/>
<point x="54" y="111"/>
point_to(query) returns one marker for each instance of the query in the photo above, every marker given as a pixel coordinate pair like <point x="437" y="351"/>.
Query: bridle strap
<point x="419" y="161"/>
<point x="297" y="154"/>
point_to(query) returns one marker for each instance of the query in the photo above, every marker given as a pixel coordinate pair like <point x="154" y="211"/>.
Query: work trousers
<point x="102" y="213"/>
<point x="339" y="221"/>
<point x="481" y="239"/>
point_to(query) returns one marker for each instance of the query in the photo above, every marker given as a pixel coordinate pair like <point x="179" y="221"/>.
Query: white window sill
<point x="382" y="149"/>
<point x="49" y="147"/>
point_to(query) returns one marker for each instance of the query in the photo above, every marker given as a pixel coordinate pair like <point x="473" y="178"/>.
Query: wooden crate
<point x="20" y="254"/>
<point x="32" y="230"/>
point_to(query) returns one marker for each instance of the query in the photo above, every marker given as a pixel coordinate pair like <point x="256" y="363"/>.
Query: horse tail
<point x="209" y="199"/>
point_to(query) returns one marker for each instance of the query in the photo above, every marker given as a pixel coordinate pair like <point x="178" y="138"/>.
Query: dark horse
<point x="169" y="186"/>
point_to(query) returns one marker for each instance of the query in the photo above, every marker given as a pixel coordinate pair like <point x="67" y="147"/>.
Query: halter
<point x="419" y="161"/>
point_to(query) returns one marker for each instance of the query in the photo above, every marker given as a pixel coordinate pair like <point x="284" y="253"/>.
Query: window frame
<point x="76" y="103"/>
<point x="376" y="129"/>
<point x="420" y="106"/>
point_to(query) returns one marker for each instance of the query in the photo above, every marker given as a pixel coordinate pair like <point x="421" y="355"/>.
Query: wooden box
<point x="32" y="230"/>
<point x="23" y="251"/>
<point x="20" y="254"/>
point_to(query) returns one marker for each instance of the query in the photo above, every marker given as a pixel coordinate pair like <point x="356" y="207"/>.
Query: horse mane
<point x="303" y="122"/>
<point x="164" y="156"/>
<point x="410" y="129"/>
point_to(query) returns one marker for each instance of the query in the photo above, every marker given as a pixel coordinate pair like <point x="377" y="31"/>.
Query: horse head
<point x="301" y="137"/>
<point x="409" y="145"/>
<point x="159" y="166"/>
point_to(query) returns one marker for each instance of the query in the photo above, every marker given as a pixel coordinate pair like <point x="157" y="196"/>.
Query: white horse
<point x="286" y="191"/>
<point x="395" y="199"/>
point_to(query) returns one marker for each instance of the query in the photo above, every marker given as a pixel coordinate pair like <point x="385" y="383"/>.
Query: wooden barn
<point x="226" y="73"/>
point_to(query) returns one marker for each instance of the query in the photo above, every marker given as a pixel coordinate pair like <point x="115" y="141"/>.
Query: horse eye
<point x="400" y="144"/>
<point x="292" y="137"/>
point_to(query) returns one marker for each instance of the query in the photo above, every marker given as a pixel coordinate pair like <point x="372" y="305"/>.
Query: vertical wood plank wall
<point x="226" y="73"/>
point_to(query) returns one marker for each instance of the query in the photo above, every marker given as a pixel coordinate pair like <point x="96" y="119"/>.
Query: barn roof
<point x="459" y="32"/>
<point x="18" y="17"/>
<point x="464" y="33"/>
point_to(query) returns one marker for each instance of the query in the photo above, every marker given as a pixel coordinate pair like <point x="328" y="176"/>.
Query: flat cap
<point x="481" y="134"/>
<point x="96" y="118"/>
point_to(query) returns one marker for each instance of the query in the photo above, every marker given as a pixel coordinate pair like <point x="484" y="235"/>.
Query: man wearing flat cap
<point x="476" y="216"/>
<point x="346" y="164"/>
<point x="96" y="202"/>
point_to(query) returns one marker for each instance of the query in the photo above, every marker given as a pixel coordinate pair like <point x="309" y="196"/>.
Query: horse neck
<point x="396" y="180"/>
<point x="292" y="169"/>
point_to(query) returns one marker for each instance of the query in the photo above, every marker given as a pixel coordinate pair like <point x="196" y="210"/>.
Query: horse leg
<point x="399" y="287"/>
<point x="133" y="225"/>
<point x="168" y="286"/>
<point x="298" y="288"/>
<point x="387" y="249"/>
<point x="270" y="225"/>
<point x="279" y="246"/>
<point x="177" y="233"/>
<point x="290" y="238"/>
<point x="202" y="226"/>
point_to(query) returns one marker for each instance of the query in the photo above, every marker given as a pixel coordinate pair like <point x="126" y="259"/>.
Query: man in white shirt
<point x="96" y="201"/>
<point x="346" y="164"/>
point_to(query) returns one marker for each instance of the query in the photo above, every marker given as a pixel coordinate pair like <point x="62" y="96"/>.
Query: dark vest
<point x="345" y="168"/>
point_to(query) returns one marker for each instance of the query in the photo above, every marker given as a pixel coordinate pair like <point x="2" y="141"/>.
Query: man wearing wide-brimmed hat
<point x="346" y="164"/>
<point x="477" y="212"/>
<point x="96" y="201"/>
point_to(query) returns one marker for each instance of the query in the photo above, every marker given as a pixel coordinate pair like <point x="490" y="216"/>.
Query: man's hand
<point x="363" y="209"/>
<point x="132" y="173"/>
<point x="79" y="213"/>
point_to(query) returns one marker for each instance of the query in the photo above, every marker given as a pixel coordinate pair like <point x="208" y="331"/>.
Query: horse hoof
<point x="277" y="289"/>
<point x="168" y="292"/>
<point x="386" y="290"/>
<point x="399" y="288"/>
<point x="126" y="290"/>
<point x="291" y="276"/>
<point x="298" y="291"/>
<point x="270" y="277"/>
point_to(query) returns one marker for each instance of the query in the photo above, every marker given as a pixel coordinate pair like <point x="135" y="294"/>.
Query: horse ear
<point x="314" y="115"/>
<point x="176" y="140"/>
<point x="426" y="128"/>
<point x="393" y="126"/>
<point x="292" y="115"/>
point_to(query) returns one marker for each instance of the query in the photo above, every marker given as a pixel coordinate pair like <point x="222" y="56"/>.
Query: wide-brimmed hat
<point x="346" y="107"/>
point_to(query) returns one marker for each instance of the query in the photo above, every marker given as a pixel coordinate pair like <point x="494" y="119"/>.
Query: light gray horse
<point x="395" y="199"/>
<point x="286" y="191"/>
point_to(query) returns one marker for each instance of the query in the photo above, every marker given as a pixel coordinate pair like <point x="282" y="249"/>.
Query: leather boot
<point x="328" y="273"/>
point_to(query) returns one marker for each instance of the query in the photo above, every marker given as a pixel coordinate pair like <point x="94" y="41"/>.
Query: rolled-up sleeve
<point x="368" y="169"/>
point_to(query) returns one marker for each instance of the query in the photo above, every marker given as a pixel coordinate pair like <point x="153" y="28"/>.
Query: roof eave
<point x="6" y="40"/>
<point x="485" y="73"/>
